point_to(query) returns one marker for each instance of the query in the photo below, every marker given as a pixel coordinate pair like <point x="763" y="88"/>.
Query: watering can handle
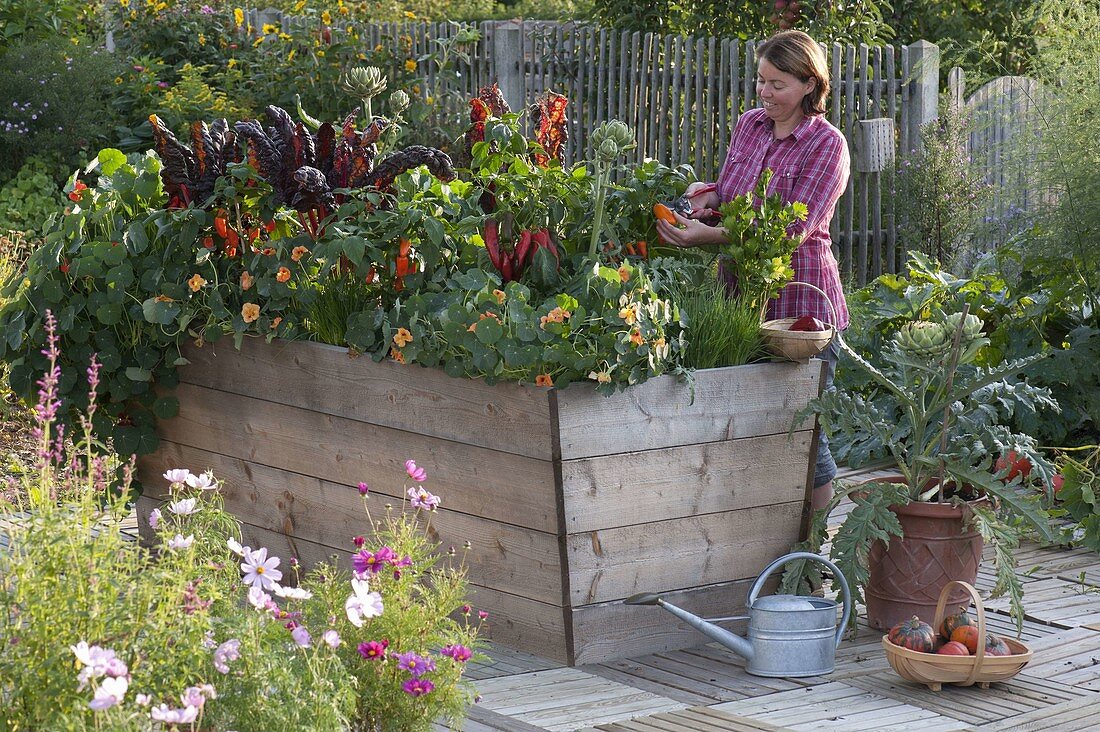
<point x="813" y="557"/>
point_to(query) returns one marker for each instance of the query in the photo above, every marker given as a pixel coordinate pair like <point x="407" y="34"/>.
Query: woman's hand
<point x="691" y="233"/>
<point x="703" y="196"/>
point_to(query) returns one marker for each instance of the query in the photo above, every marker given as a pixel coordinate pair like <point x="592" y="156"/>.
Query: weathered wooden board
<point x="1078" y="715"/>
<point x="322" y="378"/>
<point x="674" y="554"/>
<point x="697" y="719"/>
<point x="510" y="558"/>
<point x="654" y="485"/>
<point x="471" y="479"/>
<point x="746" y="401"/>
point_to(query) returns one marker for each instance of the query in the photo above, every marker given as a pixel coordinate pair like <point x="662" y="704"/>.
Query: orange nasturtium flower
<point x="624" y="273"/>
<point x="396" y="355"/>
<point x="247" y="280"/>
<point x="196" y="282"/>
<point x="283" y="274"/>
<point x="298" y="252"/>
<point x="402" y="338"/>
<point x="602" y="377"/>
<point x="629" y="314"/>
<point x="636" y="337"/>
<point x="499" y="295"/>
<point x="544" y="380"/>
<point x="275" y="323"/>
<point x="250" y="312"/>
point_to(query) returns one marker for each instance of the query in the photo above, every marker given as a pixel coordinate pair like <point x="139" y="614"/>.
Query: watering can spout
<point x="732" y="641"/>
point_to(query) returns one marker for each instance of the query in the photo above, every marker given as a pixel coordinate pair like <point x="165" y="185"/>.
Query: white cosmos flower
<point x="177" y="475"/>
<point x="236" y="548"/>
<point x="181" y="542"/>
<point x="109" y="693"/>
<point x="184" y="507"/>
<point x="292" y="593"/>
<point x="362" y="603"/>
<point x="259" y="570"/>
<point x="203" y="482"/>
<point x="258" y="599"/>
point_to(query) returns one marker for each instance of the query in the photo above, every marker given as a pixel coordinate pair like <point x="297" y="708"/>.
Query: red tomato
<point x="1015" y="464"/>
<point x="1057" y="482"/>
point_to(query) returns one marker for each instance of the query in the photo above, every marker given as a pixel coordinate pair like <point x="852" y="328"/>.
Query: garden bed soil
<point x="572" y="501"/>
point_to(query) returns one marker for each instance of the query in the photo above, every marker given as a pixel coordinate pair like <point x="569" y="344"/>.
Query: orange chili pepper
<point x="221" y="226"/>
<point x="643" y="249"/>
<point x="629" y="248"/>
<point x="664" y="213"/>
<point x="269" y="226"/>
<point x="253" y="234"/>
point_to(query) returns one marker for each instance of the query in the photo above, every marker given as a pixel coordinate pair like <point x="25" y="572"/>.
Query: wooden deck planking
<point x="1077" y="715"/>
<point x="703" y="719"/>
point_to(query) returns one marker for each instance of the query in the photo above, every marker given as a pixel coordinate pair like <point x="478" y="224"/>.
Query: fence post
<point x="507" y="54"/>
<point x="924" y="60"/>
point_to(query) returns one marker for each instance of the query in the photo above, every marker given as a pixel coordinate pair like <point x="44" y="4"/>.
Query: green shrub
<point x="57" y="103"/>
<point x="29" y="199"/>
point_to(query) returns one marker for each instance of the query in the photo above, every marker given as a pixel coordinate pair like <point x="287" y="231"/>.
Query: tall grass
<point x="338" y="297"/>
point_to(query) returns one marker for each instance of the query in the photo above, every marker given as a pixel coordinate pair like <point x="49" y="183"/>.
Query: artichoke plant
<point x="941" y="420"/>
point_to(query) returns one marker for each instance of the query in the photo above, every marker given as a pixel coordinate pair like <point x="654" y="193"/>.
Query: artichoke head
<point x="363" y="82"/>
<point x="923" y="339"/>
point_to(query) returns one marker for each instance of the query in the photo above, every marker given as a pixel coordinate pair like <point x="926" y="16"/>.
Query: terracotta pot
<point x="907" y="578"/>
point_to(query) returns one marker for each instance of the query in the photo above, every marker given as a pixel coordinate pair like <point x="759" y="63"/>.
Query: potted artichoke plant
<point x="940" y="420"/>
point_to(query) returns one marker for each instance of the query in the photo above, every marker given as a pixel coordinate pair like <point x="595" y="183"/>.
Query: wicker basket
<point x="797" y="345"/>
<point x="933" y="670"/>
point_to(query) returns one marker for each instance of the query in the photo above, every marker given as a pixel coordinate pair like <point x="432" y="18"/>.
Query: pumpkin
<point x="995" y="646"/>
<point x="968" y="636"/>
<point x="953" y="648"/>
<point x="914" y="634"/>
<point x="958" y="620"/>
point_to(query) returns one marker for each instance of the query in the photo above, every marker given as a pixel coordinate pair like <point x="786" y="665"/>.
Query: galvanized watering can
<point x="789" y="635"/>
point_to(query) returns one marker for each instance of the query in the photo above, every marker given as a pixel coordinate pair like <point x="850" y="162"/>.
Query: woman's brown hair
<point x="795" y="53"/>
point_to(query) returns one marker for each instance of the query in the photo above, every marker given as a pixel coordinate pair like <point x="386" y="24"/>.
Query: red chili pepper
<point x="231" y="242"/>
<point x="543" y="241"/>
<point x="221" y="226"/>
<point x="492" y="243"/>
<point x="629" y="248"/>
<point x="522" y="253"/>
<point x="64" y="266"/>
<point x="253" y="234"/>
<point x="208" y="242"/>
<point x="269" y="226"/>
<point x="643" y="249"/>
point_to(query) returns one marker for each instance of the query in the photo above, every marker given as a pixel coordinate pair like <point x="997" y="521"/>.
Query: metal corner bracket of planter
<point x="572" y="501"/>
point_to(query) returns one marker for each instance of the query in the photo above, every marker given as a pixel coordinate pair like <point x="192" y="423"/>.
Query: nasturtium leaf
<point x="160" y="312"/>
<point x="136" y="239"/>
<point x="135" y="373"/>
<point x="166" y="407"/>
<point x="434" y="229"/>
<point x="110" y="160"/>
<point x="135" y="440"/>
<point x="489" y="331"/>
<point x="109" y="313"/>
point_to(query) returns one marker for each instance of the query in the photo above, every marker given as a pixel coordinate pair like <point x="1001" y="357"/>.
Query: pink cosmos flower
<point x="460" y="653"/>
<point x="417" y="474"/>
<point x="226" y="652"/>
<point x="143" y="700"/>
<point x="259" y="599"/>
<point x="204" y="482"/>
<point x="259" y="570"/>
<point x="292" y="593"/>
<point x="196" y="696"/>
<point x="482" y="614"/>
<point x="417" y="687"/>
<point x="374" y="650"/>
<point x="177" y="476"/>
<point x="364" y="489"/>
<point x="301" y="636"/>
<point x="331" y="638"/>
<point x="372" y="562"/>
<point x="236" y="548"/>
<point x="154" y="518"/>
<point x="420" y="498"/>
<point x="415" y="664"/>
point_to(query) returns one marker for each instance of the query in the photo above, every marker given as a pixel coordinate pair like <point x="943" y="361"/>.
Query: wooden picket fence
<point x="682" y="97"/>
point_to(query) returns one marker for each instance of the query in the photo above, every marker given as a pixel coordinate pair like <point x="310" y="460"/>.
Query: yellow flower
<point x="428" y="100"/>
<point x="326" y="17"/>
<point x="410" y="15"/>
<point x="118" y="79"/>
<point x="416" y="89"/>
<point x="298" y="252"/>
<point x="124" y="3"/>
<point x="195" y="283"/>
<point x="133" y="15"/>
<point x="378" y="48"/>
<point x="283" y="274"/>
<point x="232" y="63"/>
<point x="160" y="6"/>
<point x="410" y="65"/>
<point x="250" y="312"/>
<point x="293" y="52"/>
<point x="268" y="28"/>
<point x="238" y="17"/>
<point x="499" y="295"/>
<point x="258" y="41"/>
<point x="202" y="39"/>
<point x="321" y="54"/>
<point x="396" y="355"/>
<point x="362" y="57"/>
<point x="629" y="314"/>
<point x="246" y="280"/>
<point x="402" y="338"/>
<point x="602" y="377"/>
<point x="299" y="5"/>
<point x="285" y="37"/>
<point x="343" y="10"/>
<point x="544" y="380"/>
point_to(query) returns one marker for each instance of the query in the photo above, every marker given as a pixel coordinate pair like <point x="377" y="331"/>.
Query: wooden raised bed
<point x="572" y="500"/>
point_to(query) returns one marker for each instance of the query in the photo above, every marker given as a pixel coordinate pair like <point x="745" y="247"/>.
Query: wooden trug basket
<point x="934" y="670"/>
<point x="797" y="345"/>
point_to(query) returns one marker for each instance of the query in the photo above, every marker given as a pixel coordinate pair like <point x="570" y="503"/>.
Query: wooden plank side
<point x="505" y="557"/>
<point x="740" y="401"/>
<point x="641" y="487"/>
<point x="609" y="631"/>
<point x="322" y="378"/>
<point x="675" y="554"/>
<point x="473" y="480"/>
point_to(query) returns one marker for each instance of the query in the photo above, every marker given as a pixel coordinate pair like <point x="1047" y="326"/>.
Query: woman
<point x="788" y="134"/>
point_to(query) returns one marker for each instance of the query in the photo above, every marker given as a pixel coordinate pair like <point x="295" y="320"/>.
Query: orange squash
<point x="957" y="620"/>
<point x="995" y="646"/>
<point x="968" y="636"/>
<point x="914" y="634"/>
